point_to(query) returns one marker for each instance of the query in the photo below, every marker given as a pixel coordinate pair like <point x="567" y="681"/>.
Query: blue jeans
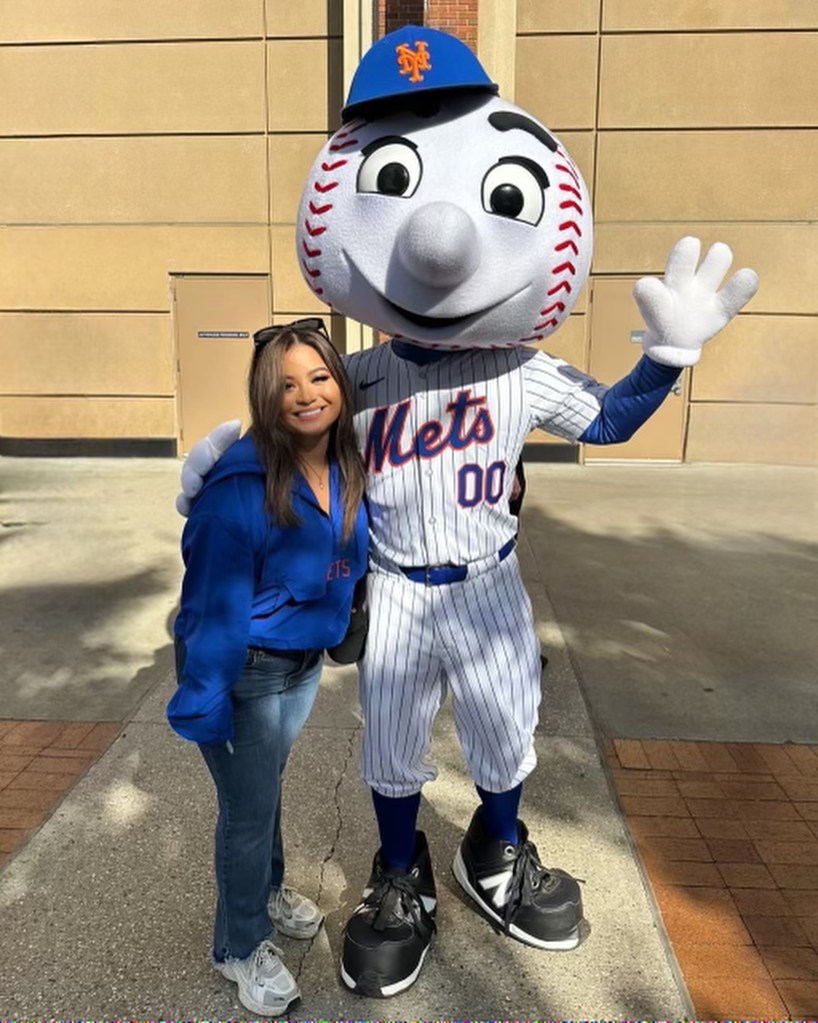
<point x="272" y="699"/>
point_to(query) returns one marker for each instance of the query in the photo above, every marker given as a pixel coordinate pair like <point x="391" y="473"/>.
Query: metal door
<point x="215" y="319"/>
<point x="614" y="350"/>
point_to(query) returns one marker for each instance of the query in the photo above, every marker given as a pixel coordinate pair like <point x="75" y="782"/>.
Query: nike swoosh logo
<point x="366" y="384"/>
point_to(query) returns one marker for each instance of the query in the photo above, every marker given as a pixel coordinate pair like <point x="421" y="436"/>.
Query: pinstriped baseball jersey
<point x="441" y="440"/>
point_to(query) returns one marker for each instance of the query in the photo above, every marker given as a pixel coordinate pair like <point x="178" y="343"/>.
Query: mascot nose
<point x="439" y="245"/>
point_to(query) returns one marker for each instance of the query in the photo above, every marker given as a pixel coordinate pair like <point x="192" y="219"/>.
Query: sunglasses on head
<point x="311" y="324"/>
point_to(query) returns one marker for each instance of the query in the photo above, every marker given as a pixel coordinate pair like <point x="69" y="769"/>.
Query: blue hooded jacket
<point x="250" y="582"/>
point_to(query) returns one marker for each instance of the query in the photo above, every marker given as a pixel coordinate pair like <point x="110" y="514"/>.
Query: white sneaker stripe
<point x="500" y="882"/>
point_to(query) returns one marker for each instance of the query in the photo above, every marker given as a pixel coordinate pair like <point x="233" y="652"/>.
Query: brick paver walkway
<point x="728" y="835"/>
<point x="39" y="762"/>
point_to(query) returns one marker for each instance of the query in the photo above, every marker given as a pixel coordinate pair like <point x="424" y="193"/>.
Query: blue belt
<point x="441" y="575"/>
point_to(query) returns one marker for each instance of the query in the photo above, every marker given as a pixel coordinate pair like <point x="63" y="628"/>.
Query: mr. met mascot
<point x="459" y="225"/>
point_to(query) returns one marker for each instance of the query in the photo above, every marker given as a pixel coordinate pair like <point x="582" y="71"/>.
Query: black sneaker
<point x="388" y="935"/>
<point x="537" y="905"/>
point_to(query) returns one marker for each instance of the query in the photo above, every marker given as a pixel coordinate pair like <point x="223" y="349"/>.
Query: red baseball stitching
<point x="336" y="146"/>
<point x="343" y="139"/>
<point x="569" y="169"/>
<point x="563" y="269"/>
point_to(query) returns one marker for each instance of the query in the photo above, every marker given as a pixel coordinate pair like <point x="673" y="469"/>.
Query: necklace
<point x="320" y="478"/>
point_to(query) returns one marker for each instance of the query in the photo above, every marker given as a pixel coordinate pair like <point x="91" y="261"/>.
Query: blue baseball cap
<point x="411" y="61"/>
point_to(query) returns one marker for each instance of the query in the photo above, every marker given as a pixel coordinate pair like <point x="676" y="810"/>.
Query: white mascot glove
<point x="685" y="309"/>
<point x="202" y="457"/>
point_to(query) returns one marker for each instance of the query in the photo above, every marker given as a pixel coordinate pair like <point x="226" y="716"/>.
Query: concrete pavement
<point x="687" y="594"/>
<point x="107" y="907"/>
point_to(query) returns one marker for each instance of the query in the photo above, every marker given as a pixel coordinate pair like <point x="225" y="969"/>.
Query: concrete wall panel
<point x="112" y="268"/>
<point x="133" y="180"/>
<point x="761" y="359"/>
<point x="39" y="21"/>
<point x="304" y="84"/>
<point x="556" y="79"/>
<point x="662" y="15"/>
<point x="86" y="418"/>
<point x="305" y="18"/>
<point x="91" y="353"/>
<point x="695" y="80"/>
<point x="127" y="88"/>
<point x="778" y="434"/>
<point x="557" y="16"/>
<point x="667" y="175"/>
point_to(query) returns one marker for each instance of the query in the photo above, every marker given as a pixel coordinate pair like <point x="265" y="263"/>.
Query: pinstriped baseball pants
<point x="475" y="638"/>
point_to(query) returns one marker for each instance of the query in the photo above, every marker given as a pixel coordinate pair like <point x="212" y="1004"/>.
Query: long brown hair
<point x="276" y="444"/>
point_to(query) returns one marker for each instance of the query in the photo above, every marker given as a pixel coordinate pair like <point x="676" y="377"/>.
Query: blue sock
<point x="499" y="812"/>
<point x="397" y="821"/>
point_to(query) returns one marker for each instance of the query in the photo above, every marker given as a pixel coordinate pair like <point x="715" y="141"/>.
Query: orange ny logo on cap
<point x="412" y="62"/>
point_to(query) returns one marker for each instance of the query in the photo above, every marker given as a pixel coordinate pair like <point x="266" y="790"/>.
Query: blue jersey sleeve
<point x="631" y="402"/>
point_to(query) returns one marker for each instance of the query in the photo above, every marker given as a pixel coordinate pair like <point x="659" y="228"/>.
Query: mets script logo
<point x="412" y="62"/>
<point x="390" y="440"/>
<point x="339" y="570"/>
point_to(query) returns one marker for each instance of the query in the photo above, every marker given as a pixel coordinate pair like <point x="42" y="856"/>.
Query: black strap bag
<point x="351" y="647"/>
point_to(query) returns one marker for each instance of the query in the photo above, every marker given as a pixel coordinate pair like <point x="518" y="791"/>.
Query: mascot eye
<point x="515" y="189"/>
<point x="390" y="167"/>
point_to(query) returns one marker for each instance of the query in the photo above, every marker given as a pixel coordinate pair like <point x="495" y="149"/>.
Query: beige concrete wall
<point x="62" y="21"/>
<point x="138" y="141"/>
<point x="700" y="117"/>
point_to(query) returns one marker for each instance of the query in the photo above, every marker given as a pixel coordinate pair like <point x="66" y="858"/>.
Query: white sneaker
<point x="266" y="986"/>
<point x="293" y="914"/>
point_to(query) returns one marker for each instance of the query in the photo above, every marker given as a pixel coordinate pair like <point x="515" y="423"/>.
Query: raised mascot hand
<point x="686" y="308"/>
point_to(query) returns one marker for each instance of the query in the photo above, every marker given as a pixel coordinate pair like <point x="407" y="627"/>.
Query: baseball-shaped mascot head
<point x="439" y="212"/>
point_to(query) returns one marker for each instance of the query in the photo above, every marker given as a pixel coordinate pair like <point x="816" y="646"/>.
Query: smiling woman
<point x="311" y="405"/>
<point x="274" y="545"/>
<point x="301" y="409"/>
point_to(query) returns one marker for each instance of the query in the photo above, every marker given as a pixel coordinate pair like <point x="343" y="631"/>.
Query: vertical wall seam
<point x="268" y="182"/>
<point x="598" y="102"/>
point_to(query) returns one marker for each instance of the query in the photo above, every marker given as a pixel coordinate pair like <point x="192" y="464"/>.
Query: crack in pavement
<point x="331" y="852"/>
